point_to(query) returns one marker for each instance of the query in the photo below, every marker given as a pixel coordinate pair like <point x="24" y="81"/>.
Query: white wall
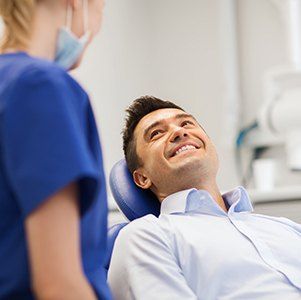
<point x="115" y="69"/>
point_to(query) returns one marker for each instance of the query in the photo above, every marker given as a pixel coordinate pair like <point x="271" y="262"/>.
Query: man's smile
<point x="185" y="147"/>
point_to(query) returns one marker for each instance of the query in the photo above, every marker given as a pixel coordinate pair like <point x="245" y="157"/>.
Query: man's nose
<point x="178" y="134"/>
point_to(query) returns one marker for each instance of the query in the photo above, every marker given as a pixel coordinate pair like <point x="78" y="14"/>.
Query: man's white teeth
<point x="185" y="148"/>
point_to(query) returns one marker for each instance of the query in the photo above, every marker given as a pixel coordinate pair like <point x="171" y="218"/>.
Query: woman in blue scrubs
<point x="53" y="205"/>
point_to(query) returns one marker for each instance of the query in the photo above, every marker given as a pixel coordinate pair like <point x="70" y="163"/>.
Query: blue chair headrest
<point x="133" y="201"/>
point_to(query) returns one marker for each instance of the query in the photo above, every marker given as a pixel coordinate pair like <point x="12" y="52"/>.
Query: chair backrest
<point x="112" y="234"/>
<point x="131" y="200"/>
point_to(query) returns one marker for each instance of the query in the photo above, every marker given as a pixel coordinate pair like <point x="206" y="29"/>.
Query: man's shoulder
<point x="279" y="220"/>
<point x="142" y="224"/>
<point x="146" y="228"/>
<point x="144" y="235"/>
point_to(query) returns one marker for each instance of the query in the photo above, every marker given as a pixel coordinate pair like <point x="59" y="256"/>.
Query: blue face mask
<point x="69" y="47"/>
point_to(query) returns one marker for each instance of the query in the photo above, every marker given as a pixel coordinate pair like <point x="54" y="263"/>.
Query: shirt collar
<point x="193" y="200"/>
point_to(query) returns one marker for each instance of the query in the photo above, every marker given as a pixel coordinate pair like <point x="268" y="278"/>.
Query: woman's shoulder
<point x="39" y="84"/>
<point x="21" y="69"/>
<point x="40" y="70"/>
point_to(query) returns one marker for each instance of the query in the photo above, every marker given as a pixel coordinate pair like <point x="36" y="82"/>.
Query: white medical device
<point x="279" y="118"/>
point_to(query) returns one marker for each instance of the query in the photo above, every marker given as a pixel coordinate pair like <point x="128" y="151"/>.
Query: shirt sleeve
<point x="143" y="265"/>
<point x="45" y="144"/>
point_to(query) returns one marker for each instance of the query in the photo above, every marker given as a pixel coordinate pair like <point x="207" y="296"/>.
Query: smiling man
<point x="204" y="245"/>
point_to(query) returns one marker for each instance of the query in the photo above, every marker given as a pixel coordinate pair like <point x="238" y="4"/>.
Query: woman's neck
<point x="45" y="27"/>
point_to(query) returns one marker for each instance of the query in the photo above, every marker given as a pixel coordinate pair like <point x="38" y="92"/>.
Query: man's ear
<point x="141" y="179"/>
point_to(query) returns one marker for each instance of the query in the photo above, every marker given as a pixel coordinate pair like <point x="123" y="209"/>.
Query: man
<point x="204" y="245"/>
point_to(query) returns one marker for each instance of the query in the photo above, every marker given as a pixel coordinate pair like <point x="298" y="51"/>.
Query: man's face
<point x="174" y="150"/>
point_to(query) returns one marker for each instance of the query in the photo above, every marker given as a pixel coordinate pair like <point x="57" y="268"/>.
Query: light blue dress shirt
<point x="195" y="250"/>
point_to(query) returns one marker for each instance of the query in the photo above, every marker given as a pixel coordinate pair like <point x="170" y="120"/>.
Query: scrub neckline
<point x="23" y="54"/>
<point x="14" y="53"/>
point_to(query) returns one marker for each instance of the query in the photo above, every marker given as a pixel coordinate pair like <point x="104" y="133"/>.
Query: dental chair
<point x="132" y="201"/>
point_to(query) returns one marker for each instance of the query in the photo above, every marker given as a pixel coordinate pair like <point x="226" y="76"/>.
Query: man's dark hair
<point x="135" y="112"/>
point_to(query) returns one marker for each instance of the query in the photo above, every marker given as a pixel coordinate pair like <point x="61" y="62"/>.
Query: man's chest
<point x="233" y="250"/>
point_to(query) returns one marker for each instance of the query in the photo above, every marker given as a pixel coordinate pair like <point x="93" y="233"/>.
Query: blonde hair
<point x="17" y="16"/>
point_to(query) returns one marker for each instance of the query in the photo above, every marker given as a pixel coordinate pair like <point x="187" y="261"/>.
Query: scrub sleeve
<point x="46" y="147"/>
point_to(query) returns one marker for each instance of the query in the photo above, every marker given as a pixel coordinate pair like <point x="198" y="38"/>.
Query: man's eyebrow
<point x="160" y="122"/>
<point x="184" y="115"/>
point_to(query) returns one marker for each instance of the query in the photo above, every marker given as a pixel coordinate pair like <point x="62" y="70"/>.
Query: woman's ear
<point x="141" y="179"/>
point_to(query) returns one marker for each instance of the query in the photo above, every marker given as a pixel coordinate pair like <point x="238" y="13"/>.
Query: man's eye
<point x="186" y="123"/>
<point x="154" y="133"/>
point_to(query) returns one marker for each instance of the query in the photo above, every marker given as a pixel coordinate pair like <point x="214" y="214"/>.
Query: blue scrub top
<point x="48" y="139"/>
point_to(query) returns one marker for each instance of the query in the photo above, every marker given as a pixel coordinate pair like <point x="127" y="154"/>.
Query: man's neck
<point x="210" y="187"/>
<point x="216" y="196"/>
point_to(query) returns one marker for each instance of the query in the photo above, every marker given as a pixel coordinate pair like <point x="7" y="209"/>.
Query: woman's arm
<point x="54" y="248"/>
